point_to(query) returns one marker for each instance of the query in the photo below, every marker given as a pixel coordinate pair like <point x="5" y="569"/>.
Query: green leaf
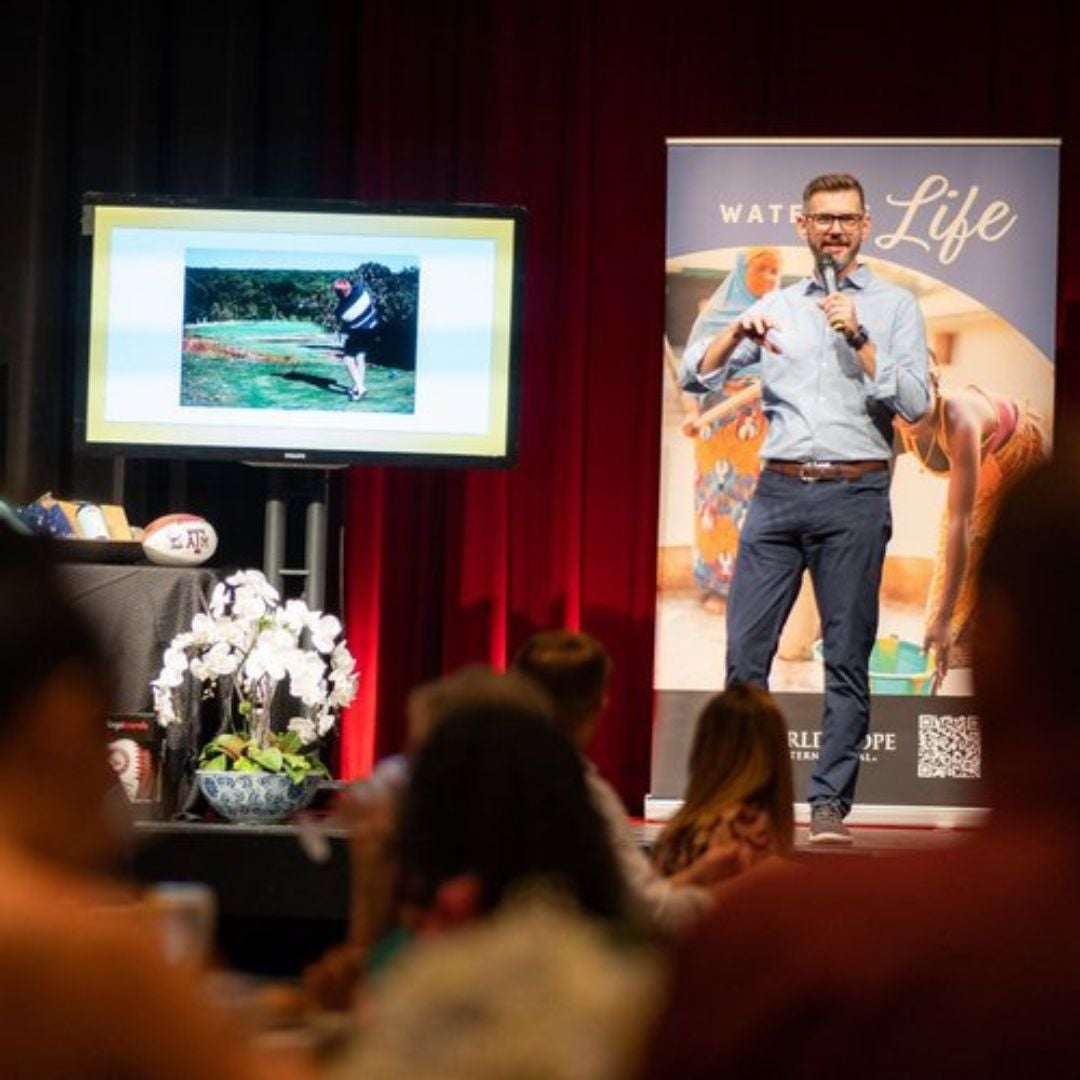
<point x="270" y="758"/>
<point x="217" y="763"/>
<point x="296" y="775"/>
<point x="229" y="743"/>
<point x="245" y="765"/>
<point x="289" y="741"/>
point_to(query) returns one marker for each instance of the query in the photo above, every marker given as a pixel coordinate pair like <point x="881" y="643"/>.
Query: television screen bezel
<point x="315" y="457"/>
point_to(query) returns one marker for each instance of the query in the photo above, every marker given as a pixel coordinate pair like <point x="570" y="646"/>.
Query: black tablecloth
<point x="136" y="611"/>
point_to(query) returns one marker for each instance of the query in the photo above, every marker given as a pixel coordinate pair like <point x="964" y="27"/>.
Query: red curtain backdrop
<point x="564" y="108"/>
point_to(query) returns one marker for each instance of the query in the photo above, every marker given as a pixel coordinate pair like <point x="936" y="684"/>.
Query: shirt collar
<point x="859" y="278"/>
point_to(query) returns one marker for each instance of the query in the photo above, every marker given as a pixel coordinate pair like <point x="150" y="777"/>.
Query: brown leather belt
<point x="811" y="471"/>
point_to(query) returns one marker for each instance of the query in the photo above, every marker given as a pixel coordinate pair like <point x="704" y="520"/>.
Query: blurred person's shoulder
<point x="456" y="1006"/>
<point x="65" y="951"/>
<point x="56" y="928"/>
<point x="38" y="897"/>
<point x="85" y="989"/>
<point x="925" y="961"/>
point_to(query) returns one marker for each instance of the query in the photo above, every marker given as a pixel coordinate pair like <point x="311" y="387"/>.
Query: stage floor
<point x="869" y="839"/>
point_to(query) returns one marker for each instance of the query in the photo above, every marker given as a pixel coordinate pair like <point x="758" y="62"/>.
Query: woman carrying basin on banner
<point x="728" y="428"/>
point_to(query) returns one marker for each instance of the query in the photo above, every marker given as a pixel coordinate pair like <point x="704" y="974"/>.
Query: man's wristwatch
<point x="859" y="338"/>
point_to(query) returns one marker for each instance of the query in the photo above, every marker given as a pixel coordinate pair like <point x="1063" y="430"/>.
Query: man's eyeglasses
<point x="824" y="222"/>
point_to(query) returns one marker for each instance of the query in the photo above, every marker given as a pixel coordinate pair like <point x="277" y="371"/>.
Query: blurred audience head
<point x="54" y="772"/>
<point x="498" y="802"/>
<point x="574" y="669"/>
<point x="429" y="703"/>
<point x="739" y="763"/>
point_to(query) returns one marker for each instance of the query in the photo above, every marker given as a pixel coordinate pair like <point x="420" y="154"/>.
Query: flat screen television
<point x="315" y="333"/>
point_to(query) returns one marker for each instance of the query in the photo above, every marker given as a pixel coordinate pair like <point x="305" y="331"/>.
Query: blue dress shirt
<point x="821" y="403"/>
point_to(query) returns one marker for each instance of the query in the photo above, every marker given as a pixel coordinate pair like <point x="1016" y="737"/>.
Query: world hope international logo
<point x="805" y="744"/>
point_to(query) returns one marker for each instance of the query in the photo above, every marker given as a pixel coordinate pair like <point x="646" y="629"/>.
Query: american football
<point x="179" y="540"/>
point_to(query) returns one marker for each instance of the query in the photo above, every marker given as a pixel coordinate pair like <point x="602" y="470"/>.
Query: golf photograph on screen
<point x="300" y="332"/>
<point x="338" y="335"/>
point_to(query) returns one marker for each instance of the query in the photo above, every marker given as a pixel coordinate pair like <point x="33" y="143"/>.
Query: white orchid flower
<point x="277" y="638"/>
<point x="250" y="635"/>
<point x="175" y="658"/>
<point x="174" y="667"/>
<point x="266" y="660"/>
<point x="342" y="692"/>
<point x="341" y="660"/>
<point x="311" y="694"/>
<point x="324" y="633"/>
<point x="218" y="599"/>
<point x="255" y="581"/>
<point x="325" y="721"/>
<point x="249" y="605"/>
<point x="306" y="666"/>
<point x="305" y="728"/>
<point x="344" y="682"/>
<point x="342" y="673"/>
<point x="238" y="635"/>
<point x="293" y="616"/>
<point x="306" y="672"/>
<point x="164" y="705"/>
<point x="216" y="661"/>
<point x="204" y="630"/>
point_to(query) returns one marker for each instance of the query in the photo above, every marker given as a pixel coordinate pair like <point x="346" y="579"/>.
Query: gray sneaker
<point x="827" y="825"/>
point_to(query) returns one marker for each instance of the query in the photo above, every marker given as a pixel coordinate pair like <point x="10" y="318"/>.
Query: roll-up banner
<point x="970" y="228"/>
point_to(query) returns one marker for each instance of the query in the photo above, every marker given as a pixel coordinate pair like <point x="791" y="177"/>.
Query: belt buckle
<point x="810" y="472"/>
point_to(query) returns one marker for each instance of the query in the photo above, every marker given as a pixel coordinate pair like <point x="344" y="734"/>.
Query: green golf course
<point x="281" y="364"/>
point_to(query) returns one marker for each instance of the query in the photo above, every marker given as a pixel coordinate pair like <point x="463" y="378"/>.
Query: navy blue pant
<point x="838" y="529"/>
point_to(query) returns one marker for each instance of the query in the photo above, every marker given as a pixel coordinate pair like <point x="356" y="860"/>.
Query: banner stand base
<point x="917" y="817"/>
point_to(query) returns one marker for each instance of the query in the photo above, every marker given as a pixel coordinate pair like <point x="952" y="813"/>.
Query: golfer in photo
<point x="359" y="324"/>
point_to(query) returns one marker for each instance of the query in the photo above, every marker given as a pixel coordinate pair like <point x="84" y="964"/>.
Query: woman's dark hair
<point x="498" y="793"/>
<point x="40" y="630"/>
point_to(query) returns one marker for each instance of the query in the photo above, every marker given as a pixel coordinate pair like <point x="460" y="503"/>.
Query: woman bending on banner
<point x="981" y="441"/>
<point x="740" y="787"/>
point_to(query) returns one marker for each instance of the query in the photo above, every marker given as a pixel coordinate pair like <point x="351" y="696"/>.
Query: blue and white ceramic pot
<point x="255" y="797"/>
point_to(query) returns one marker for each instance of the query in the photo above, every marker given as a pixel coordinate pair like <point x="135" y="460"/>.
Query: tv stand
<point x="287" y="486"/>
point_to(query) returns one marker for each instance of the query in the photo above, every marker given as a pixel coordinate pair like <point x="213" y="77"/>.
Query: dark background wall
<point x="562" y="107"/>
<point x="186" y="98"/>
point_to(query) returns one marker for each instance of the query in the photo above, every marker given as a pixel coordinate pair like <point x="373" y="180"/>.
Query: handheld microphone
<point x="827" y="269"/>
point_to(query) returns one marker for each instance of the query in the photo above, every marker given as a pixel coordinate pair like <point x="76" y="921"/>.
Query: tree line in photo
<point x="223" y="295"/>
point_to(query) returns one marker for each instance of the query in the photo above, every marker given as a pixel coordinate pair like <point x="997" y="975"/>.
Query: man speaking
<point x="839" y="355"/>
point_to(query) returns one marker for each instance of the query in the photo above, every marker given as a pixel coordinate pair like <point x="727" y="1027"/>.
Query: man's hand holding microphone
<point x="839" y="309"/>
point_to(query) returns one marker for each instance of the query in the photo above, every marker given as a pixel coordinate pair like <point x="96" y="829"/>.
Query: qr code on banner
<point x="949" y="747"/>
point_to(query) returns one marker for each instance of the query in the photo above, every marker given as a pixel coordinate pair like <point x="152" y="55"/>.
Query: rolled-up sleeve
<point x="900" y="378"/>
<point x="745" y="355"/>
